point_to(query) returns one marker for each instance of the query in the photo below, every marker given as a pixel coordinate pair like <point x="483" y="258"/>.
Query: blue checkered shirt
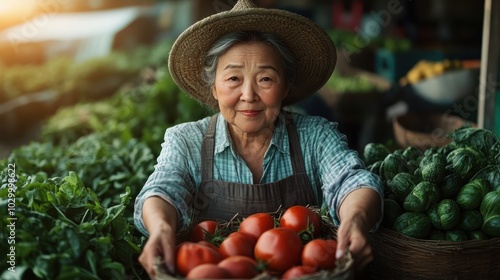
<point x="333" y="169"/>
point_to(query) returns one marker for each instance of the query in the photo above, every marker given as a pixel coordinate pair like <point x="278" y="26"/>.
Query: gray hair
<point x="227" y="41"/>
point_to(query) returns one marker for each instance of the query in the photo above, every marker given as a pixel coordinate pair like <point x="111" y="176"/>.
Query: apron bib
<point x="221" y="200"/>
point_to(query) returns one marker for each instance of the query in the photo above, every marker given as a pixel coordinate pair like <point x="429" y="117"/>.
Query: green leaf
<point x="71" y="272"/>
<point x="87" y="228"/>
<point x="44" y="266"/>
<point x="91" y="261"/>
<point x="15" y="274"/>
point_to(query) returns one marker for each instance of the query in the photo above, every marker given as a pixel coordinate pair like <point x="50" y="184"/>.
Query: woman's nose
<point x="249" y="93"/>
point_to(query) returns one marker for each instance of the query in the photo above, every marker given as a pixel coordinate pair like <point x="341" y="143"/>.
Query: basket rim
<point x="382" y="231"/>
<point x="407" y="258"/>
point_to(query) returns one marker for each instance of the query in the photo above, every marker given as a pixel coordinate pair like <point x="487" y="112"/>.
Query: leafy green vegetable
<point x="433" y="168"/>
<point x="402" y="184"/>
<point x="445" y="184"/>
<point x="78" y="226"/>
<point x="375" y="167"/>
<point x="490" y="209"/>
<point x="490" y="173"/>
<point x="470" y="220"/>
<point x="416" y="225"/>
<point x="392" y="165"/>
<point x="374" y="152"/>
<point x="456" y="235"/>
<point x="471" y="194"/>
<point x="345" y="84"/>
<point x="412" y="153"/>
<point x="106" y="167"/>
<point x="64" y="232"/>
<point x="465" y="161"/>
<point x="450" y="185"/>
<point x="142" y="113"/>
<point x="444" y="215"/>
<point x="423" y="195"/>
<point x="477" y="235"/>
<point x="481" y="139"/>
<point x="70" y="79"/>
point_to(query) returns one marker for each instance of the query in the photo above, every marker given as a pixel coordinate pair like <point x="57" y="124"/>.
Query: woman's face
<point x="250" y="86"/>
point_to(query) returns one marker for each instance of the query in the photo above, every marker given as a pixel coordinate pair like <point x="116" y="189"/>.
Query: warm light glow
<point x="4" y="7"/>
<point x="14" y="11"/>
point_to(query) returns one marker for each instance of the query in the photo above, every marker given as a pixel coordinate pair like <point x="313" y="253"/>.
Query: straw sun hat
<point x="313" y="49"/>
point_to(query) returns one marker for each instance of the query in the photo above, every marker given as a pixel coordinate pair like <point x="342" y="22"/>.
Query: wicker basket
<point x="342" y="271"/>
<point x="401" y="257"/>
<point x="424" y="131"/>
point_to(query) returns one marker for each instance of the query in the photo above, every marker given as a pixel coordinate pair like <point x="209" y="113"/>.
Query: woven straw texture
<point x="401" y="257"/>
<point x="343" y="270"/>
<point x="314" y="50"/>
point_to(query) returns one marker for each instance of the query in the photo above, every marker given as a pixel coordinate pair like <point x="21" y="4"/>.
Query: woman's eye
<point x="266" y="79"/>
<point x="233" y="78"/>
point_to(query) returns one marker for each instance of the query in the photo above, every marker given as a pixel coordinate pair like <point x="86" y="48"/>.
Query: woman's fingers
<point x="160" y="246"/>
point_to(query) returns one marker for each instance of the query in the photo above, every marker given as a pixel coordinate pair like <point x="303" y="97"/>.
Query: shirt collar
<point x="223" y="139"/>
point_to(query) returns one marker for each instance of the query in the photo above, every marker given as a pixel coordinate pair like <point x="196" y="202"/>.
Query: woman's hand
<point x="359" y="212"/>
<point x="160" y="218"/>
<point x="352" y="236"/>
<point x="161" y="243"/>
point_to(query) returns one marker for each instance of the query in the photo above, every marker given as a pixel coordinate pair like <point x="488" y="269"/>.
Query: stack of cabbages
<point x="442" y="193"/>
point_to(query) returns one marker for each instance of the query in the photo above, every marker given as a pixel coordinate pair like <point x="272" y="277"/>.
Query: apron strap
<point x="207" y="150"/>
<point x="295" y="150"/>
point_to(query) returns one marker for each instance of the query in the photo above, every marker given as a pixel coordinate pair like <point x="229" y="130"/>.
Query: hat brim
<point x="314" y="50"/>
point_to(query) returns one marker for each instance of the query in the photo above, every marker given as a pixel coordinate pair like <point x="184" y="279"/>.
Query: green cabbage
<point x="490" y="173"/>
<point x="490" y="209"/>
<point x="465" y="161"/>
<point x="444" y="215"/>
<point x="481" y="139"/>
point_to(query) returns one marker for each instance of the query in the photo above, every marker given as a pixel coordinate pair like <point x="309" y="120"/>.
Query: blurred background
<point x="396" y="58"/>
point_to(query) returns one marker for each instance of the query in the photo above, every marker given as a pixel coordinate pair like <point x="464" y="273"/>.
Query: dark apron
<point x="217" y="199"/>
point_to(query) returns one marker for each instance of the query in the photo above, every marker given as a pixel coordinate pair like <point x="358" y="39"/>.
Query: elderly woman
<point x="254" y="156"/>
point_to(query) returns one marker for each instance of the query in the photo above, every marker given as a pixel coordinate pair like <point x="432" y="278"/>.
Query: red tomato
<point x="279" y="249"/>
<point x="256" y="224"/>
<point x="206" y="243"/>
<point x="190" y="255"/>
<point x="298" y="271"/>
<point x="208" y="271"/>
<point x="301" y="219"/>
<point x="202" y="230"/>
<point x="240" y="267"/>
<point x="238" y="244"/>
<point x="320" y="253"/>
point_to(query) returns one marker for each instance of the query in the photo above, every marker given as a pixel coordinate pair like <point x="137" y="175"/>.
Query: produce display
<point x="281" y="245"/>
<point x="80" y="80"/>
<point x="426" y="69"/>
<point x="340" y="83"/>
<point x="141" y="112"/>
<point x="72" y="190"/>
<point x="63" y="231"/>
<point x="442" y="193"/>
<point x="352" y="42"/>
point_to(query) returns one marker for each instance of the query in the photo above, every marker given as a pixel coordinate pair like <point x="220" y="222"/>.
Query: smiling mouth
<point x="250" y="113"/>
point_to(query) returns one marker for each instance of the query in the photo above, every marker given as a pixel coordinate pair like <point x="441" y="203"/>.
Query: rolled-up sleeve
<point x="342" y="171"/>
<point x="170" y="179"/>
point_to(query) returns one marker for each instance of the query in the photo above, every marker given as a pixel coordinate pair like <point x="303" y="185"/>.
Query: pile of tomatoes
<point x="286" y="247"/>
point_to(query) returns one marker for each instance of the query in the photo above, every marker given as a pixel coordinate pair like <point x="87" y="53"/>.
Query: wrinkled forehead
<point x="251" y="54"/>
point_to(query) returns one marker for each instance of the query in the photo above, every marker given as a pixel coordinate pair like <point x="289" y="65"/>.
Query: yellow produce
<point x="426" y="69"/>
